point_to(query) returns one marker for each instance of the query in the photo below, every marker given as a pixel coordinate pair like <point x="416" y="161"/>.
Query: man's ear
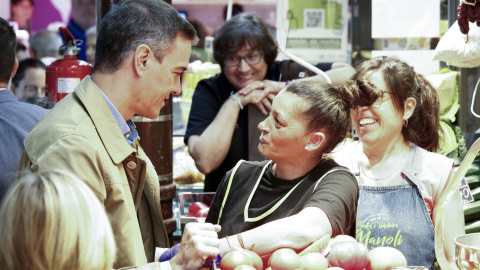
<point x="409" y="107"/>
<point x="15" y="67"/>
<point x="142" y="55"/>
<point x="316" y="141"/>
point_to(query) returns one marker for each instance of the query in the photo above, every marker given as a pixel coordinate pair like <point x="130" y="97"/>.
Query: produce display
<point x="382" y="258"/>
<point x="236" y="258"/>
<point x="349" y="255"/>
<point x="343" y="253"/>
<point x="198" y="209"/>
<point x="451" y="141"/>
<point x="285" y="259"/>
<point x="314" y="260"/>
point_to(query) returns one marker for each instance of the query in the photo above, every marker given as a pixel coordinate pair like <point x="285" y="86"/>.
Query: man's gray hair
<point x="46" y="43"/>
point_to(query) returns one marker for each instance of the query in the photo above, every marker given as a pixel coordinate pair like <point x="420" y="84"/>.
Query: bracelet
<point x="236" y="99"/>
<point x="240" y="240"/>
<point x="228" y="242"/>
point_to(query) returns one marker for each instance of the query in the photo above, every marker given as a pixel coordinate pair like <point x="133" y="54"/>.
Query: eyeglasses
<point x="251" y="59"/>
<point x="383" y="96"/>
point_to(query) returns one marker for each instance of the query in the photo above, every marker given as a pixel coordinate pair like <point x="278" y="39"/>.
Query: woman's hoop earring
<point x="405" y="123"/>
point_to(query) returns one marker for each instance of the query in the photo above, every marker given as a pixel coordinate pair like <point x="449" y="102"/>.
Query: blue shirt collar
<point x="127" y="127"/>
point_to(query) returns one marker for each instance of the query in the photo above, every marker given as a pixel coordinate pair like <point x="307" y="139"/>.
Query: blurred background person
<point x="236" y="9"/>
<point x="21" y="12"/>
<point x="83" y="17"/>
<point x="218" y="127"/>
<point x="23" y="42"/>
<point x="29" y="81"/>
<point x="52" y="220"/>
<point x="91" y="45"/>
<point x="21" y="52"/>
<point x="198" y="51"/>
<point x="16" y="118"/>
<point x="44" y="46"/>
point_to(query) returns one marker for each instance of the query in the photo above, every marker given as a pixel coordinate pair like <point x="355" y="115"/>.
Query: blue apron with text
<point x="396" y="217"/>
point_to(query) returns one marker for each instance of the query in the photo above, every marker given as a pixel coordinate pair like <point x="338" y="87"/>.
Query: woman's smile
<point x="367" y="122"/>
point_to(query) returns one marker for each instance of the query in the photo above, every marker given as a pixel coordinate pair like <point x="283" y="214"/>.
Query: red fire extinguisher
<point x="64" y="74"/>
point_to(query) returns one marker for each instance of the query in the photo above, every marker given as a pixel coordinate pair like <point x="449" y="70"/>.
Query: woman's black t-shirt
<point x="336" y="194"/>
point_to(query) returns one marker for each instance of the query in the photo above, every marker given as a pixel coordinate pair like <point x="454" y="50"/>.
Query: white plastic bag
<point x="458" y="49"/>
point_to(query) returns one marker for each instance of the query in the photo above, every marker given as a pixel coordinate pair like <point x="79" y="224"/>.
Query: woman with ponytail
<point x="299" y="194"/>
<point x="400" y="179"/>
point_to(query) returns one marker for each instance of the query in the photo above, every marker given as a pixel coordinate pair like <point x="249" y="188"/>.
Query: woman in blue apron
<point x="298" y="195"/>
<point x="400" y="180"/>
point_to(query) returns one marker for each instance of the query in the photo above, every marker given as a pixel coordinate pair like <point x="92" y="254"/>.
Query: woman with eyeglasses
<point x="401" y="180"/>
<point x="217" y="133"/>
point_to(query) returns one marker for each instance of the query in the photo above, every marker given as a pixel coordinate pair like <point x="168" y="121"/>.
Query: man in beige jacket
<point x="143" y="46"/>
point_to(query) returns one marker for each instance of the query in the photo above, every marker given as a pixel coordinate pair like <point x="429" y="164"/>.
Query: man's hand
<point x="199" y="243"/>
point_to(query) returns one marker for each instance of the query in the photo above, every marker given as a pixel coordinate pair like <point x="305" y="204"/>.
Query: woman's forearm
<point x="211" y="147"/>
<point x="297" y="232"/>
<point x="340" y="73"/>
